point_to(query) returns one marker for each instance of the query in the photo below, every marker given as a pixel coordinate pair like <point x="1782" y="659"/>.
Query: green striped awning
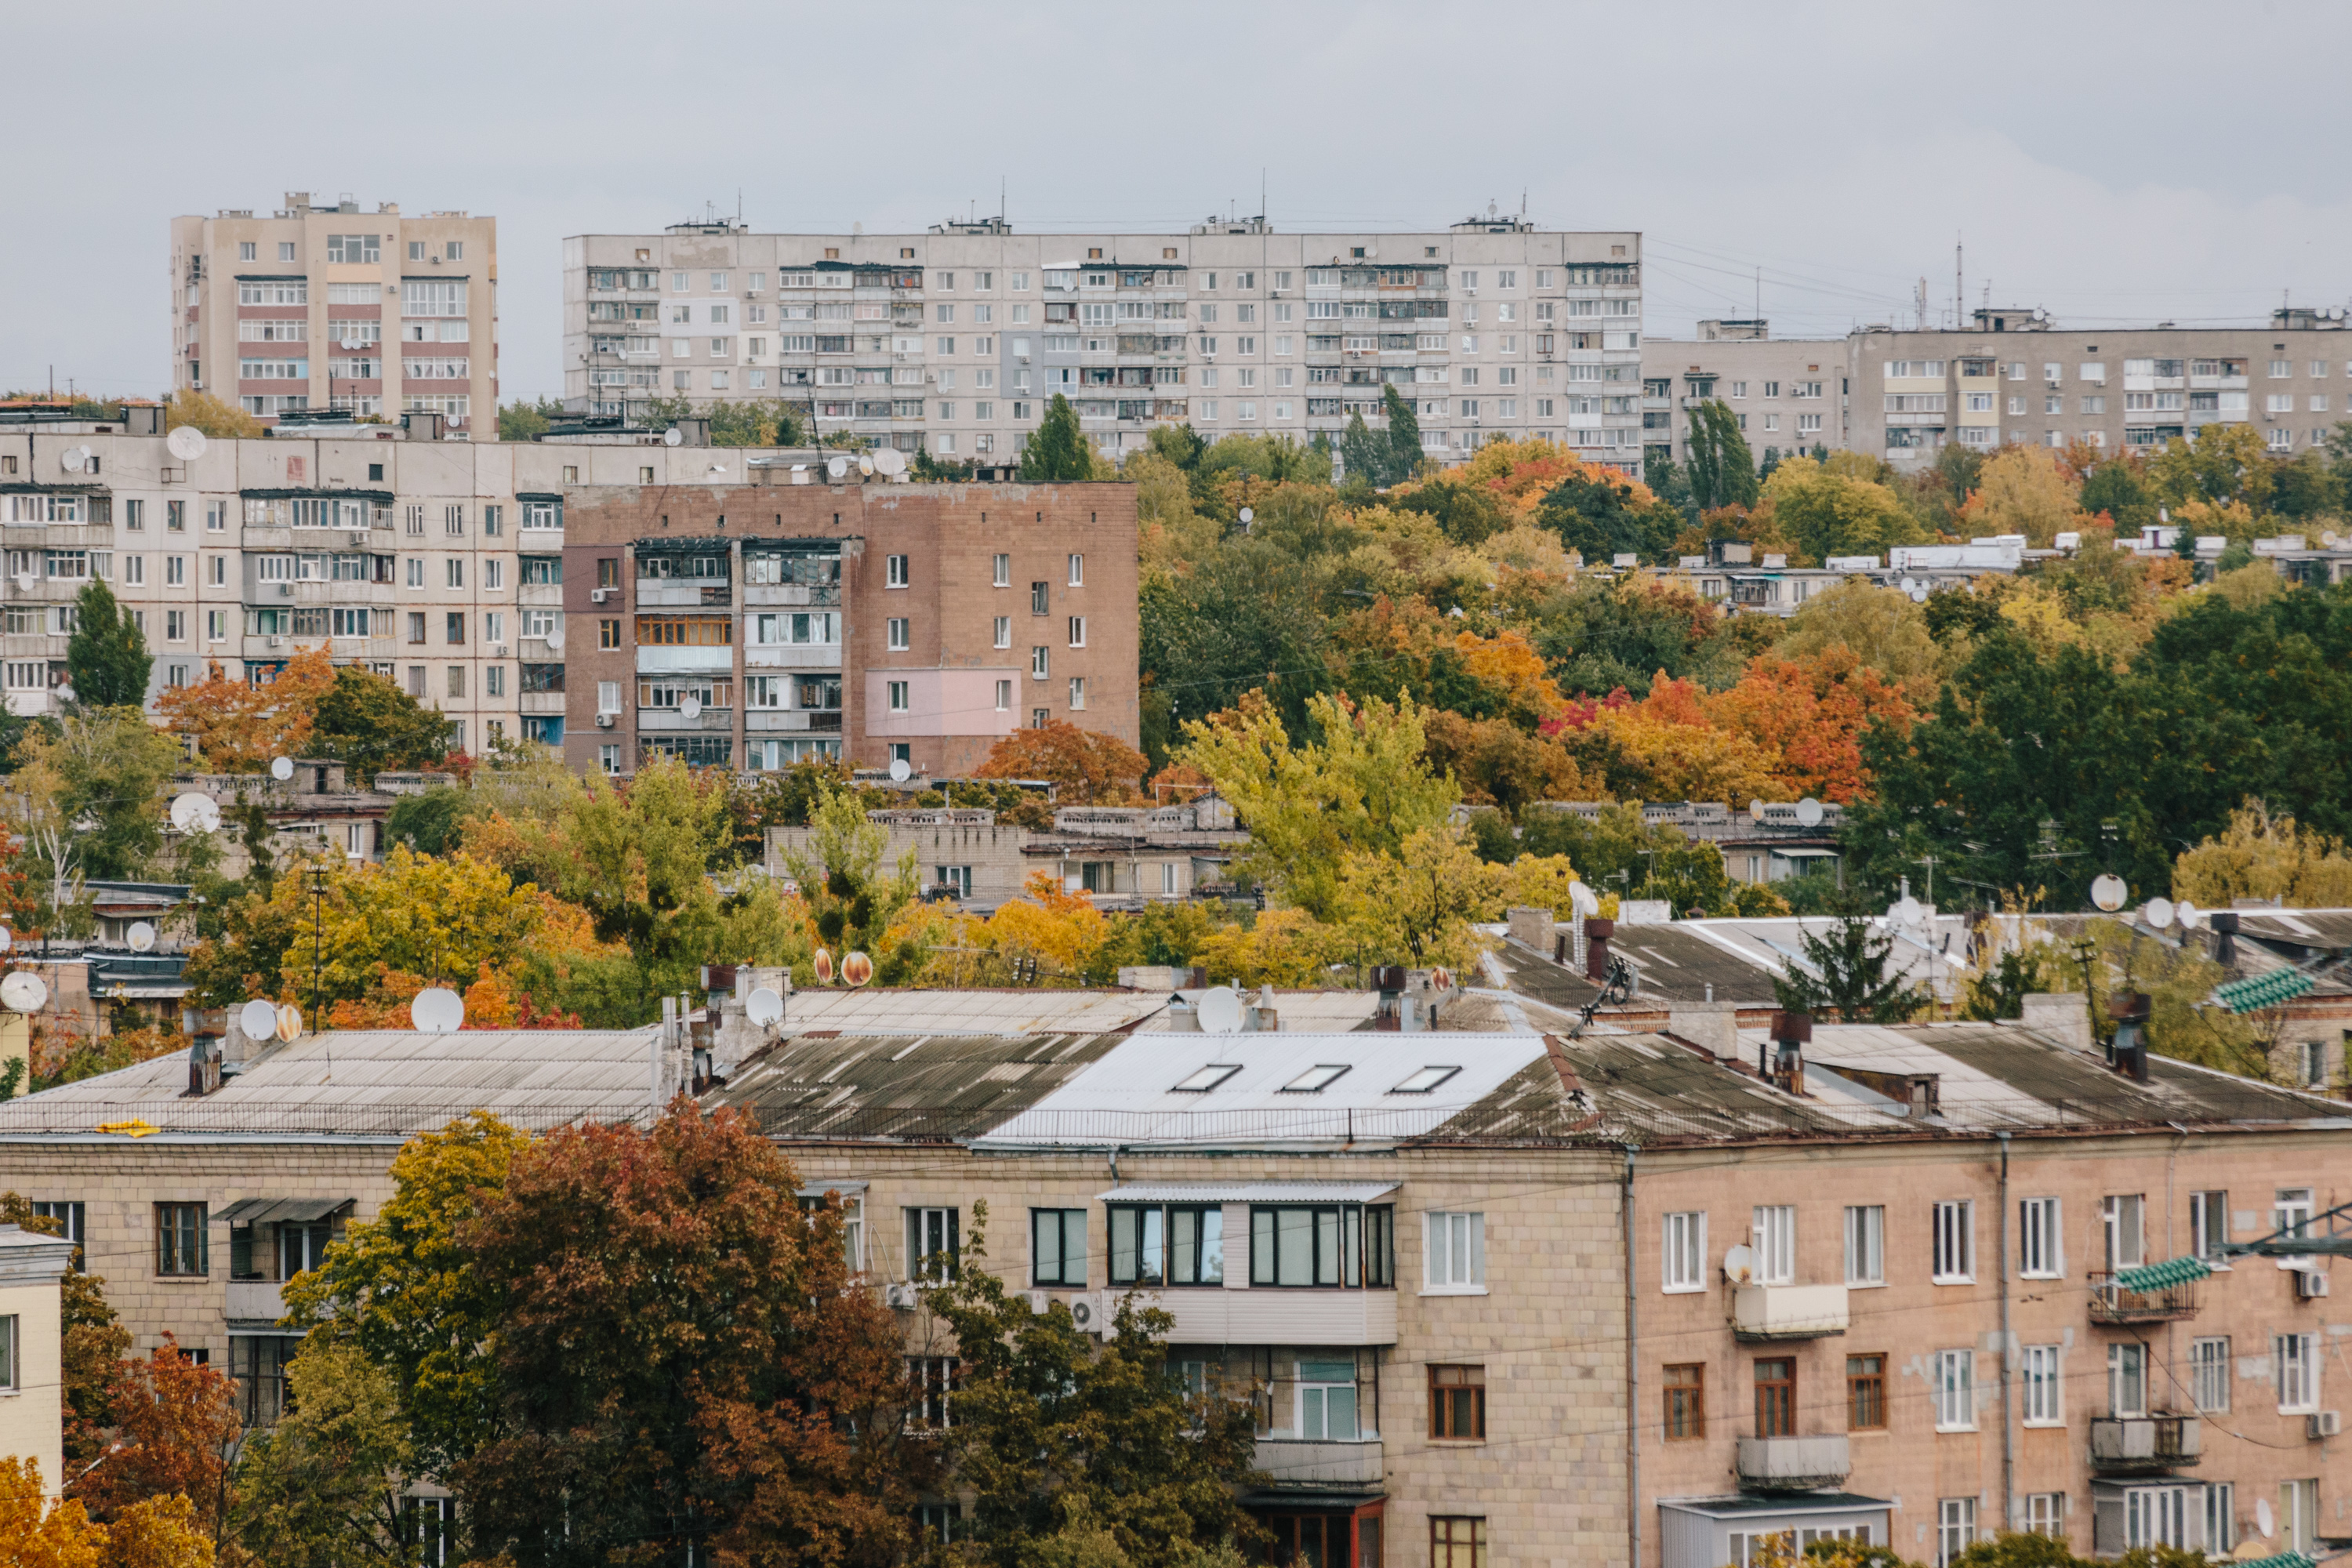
<point x="2280" y="1560"/>
<point x="2162" y="1276"/>
<point x="2270" y="990"/>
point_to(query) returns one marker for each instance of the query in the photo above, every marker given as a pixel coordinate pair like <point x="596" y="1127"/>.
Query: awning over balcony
<point x="2162" y="1276"/>
<point x="281" y="1211"/>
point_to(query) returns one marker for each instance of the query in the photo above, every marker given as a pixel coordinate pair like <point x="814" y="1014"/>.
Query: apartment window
<point x="1038" y="668"/>
<point x="215" y="626"/>
<point x="1685" y="1397"/>
<point x="1865" y="1392"/>
<point x="2296" y="1360"/>
<point x="1057" y="1247"/>
<point x="898" y="696"/>
<point x="933" y="1243"/>
<point x="1322" y="1246"/>
<point x="1956" y="1528"/>
<point x="1775" y="1398"/>
<point x="2039" y="1255"/>
<point x="1954" y="1390"/>
<point x="1167" y="1246"/>
<point x="2120" y="1221"/>
<point x="1004" y="572"/>
<point x="1456" y="1247"/>
<point x="1866" y="1245"/>
<point x="2209" y="1225"/>
<point x="899" y="639"/>
<point x="1004" y="696"/>
<point x="2127" y="1380"/>
<point x="457" y="680"/>
<point x="1077" y="570"/>
<point x="1955" y="1242"/>
<point x="180" y="1240"/>
<point x="244" y="250"/>
<point x="2040" y="1377"/>
<point x="1457" y="1404"/>
<point x="1326" y="1401"/>
<point x="2291" y="1212"/>
<point x="2209" y="1374"/>
<point x="1683" y="1253"/>
<point x="2045" y="1513"/>
<point x="1077" y="631"/>
<point x="9" y="1381"/>
<point x="934" y="1377"/>
<point x="1773" y="1234"/>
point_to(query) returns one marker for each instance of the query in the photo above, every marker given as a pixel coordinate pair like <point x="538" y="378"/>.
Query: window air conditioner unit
<point x="275" y="642"/>
<point x="604" y="720"/>
<point x="498" y="651"/>
<point x="2310" y="1284"/>
<point x="2325" y="1424"/>
<point x="359" y="536"/>
<point x="900" y="1296"/>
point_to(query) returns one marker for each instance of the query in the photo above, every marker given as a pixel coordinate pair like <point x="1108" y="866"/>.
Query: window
<point x="1686" y="1396"/>
<point x="1004" y="631"/>
<point x="1057" y="1247"/>
<point x="1865" y="1392"/>
<point x="1326" y="1401"/>
<point x="1955" y="1242"/>
<point x="1683" y="1266"/>
<point x="1004" y="572"/>
<point x="2209" y="1225"/>
<point x="1181" y="1246"/>
<point x="2127" y="1380"/>
<point x="457" y="680"/>
<point x="1207" y="1079"/>
<point x="2297" y="1359"/>
<point x="2038" y="1254"/>
<point x="2120" y="1221"/>
<point x="1456" y="1245"/>
<point x="1457" y="1404"/>
<point x="2045" y="1513"/>
<point x="1954" y="1390"/>
<point x="1315" y="1079"/>
<point x="2299" y="1515"/>
<point x="1956" y="1528"/>
<point x="898" y="638"/>
<point x="2290" y="1214"/>
<point x="1077" y="631"/>
<point x="1456" y="1542"/>
<point x="8" y="1374"/>
<point x="932" y="1243"/>
<point x="934" y="1377"/>
<point x="2209" y="1374"/>
<point x="1775" y="1398"/>
<point x="1866" y="1245"/>
<point x="180" y="1240"/>
<point x="2040" y="1377"/>
<point x="1078" y="691"/>
<point x="1322" y="1246"/>
<point x="1773" y="1232"/>
<point x="1038" y="668"/>
<point x="897" y="572"/>
<point x="899" y="702"/>
<point x="2221" y="1519"/>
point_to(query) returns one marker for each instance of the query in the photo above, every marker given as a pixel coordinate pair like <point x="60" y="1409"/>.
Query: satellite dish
<point x="258" y="1019"/>
<point x="899" y="770"/>
<point x="864" y="464"/>
<point x="856" y="969"/>
<point x="2263" y="1519"/>
<point x="6" y="939"/>
<point x="1219" y="1012"/>
<point x="437" y="1010"/>
<point x="27" y="581"/>
<point x="689" y="707"/>
<point x="672" y="437"/>
<point x="2189" y="916"/>
<point x="289" y="1022"/>
<point x="65" y="694"/>
<point x="74" y="459"/>
<point x="1755" y="811"/>
<point x="1907" y="911"/>
<point x="822" y="962"/>
<point x="891" y="461"/>
<point x="187" y="443"/>
<point x="141" y="937"/>
<point x="836" y="467"/>
<point x="1582" y="900"/>
<point x="555" y="640"/>
<point x="764" y="1006"/>
<point x="24" y="992"/>
<point x="1739" y="1266"/>
<point x="1248" y="517"/>
<point x="281" y="769"/>
<point x="1808" y="812"/>
<point x="2109" y="891"/>
<point x="2157" y="913"/>
<point x="195" y="812"/>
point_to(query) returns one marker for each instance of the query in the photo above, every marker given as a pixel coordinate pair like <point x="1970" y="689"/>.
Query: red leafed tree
<point x="684" y="1358"/>
<point x="176" y="1421"/>
<point x="1090" y="767"/>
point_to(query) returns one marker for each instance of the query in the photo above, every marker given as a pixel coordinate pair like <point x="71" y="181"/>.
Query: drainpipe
<point x="2008" y="1355"/>
<point x="1632" y="1382"/>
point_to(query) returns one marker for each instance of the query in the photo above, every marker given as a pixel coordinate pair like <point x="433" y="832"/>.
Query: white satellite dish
<point x="2189" y="916"/>
<point x="282" y="768"/>
<point x="28" y="581"/>
<point x="1582" y="900"/>
<point x="290" y="1023"/>
<point x="899" y="770"/>
<point x="7" y="939"/>
<point x="187" y="443"/>
<point x="194" y="813"/>
<point x="836" y="467"/>
<point x="890" y="461"/>
<point x="1739" y="1266"/>
<point x="24" y="992"/>
<point x="689" y="707"/>
<point x="74" y="459"/>
<point x="2263" y="1519"/>
<point x="1755" y="811"/>
<point x="1248" y="517"/>
<point x="672" y="437"/>
<point x="1808" y="812"/>
<point x="555" y="640"/>
<point x="1219" y="1012"/>
<point x="764" y="1006"/>
<point x="865" y="464"/>
<point x="65" y="694"/>
<point x="258" y="1019"/>
<point x="1907" y="911"/>
<point x="2109" y="891"/>
<point x="140" y="936"/>
<point x="2157" y="913"/>
<point x="437" y="1010"/>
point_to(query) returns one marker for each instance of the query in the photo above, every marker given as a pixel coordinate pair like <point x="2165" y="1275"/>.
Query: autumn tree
<point x="106" y="658"/>
<point x="238" y="727"/>
<point x="175" y="1429"/>
<point x="853" y="898"/>
<point x="2262" y="856"/>
<point x="1086" y="766"/>
<point x="1418" y="907"/>
<point x="2023" y="489"/>
<point x="2225" y="465"/>
<point x="212" y="415"/>
<point x="87" y="800"/>
<point x="321" y="1488"/>
<point x="93" y="1340"/>
<point x="1826" y="513"/>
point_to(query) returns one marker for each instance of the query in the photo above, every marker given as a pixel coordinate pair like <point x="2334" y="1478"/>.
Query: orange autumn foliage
<point x="1510" y="662"/>
<point x="238" y="728"/>
<point x="1810" y="714"/>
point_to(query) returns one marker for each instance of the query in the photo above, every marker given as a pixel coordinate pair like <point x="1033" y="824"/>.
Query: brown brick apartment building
<point x="756" y="625"/>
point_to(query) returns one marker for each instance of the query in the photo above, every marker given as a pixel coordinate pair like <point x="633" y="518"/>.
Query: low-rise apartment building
<point x="952" y="341"/>
<point x="1788" y="394"/>
<point x="325" y="307"/>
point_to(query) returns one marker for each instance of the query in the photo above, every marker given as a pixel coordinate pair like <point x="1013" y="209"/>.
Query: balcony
<point x="1792" y="1464"/>
<point x="2111" y="1303"/>
<point x="2143" y="1445"/>
<point x="1208" y="1316"/>
<point x="1764" y="1313"/>
<point x="254" y="1301"/>
<point x="669" y="720"/>
<point x="1312" y="1464"/>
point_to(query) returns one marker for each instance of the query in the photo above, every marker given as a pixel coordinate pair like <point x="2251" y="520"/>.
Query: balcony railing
<point x="254" y="1301"/>
<point x="1792" y="1464"/>
<point x="2111" y="1303"/>
<point x="1316" y="1465"/>
<point x="1764" y="1313"/>
<point x="2144" y="1444"/>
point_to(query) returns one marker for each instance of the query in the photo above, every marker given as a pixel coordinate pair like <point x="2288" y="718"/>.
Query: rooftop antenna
<point x="1959" y="293"/>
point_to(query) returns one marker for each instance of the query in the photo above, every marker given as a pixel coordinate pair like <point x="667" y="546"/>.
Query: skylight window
<point x="1425" y="1080"/>
<point x="1313" y="1080"/>
<point x="1207" y="1079"/>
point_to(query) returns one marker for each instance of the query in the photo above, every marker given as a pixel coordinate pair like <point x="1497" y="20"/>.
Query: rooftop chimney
<point x="1790" y="1031"/>
<point x="2129" y="1050"/>
<point x="2224" y="924"/>
<point x="1597" y="932"/>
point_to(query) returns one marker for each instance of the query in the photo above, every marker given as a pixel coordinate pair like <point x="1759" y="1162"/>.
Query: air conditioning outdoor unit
<point x="359" y="535"/>
<point x="275" y="642"/>
<point x="604" y="720"/>
<point x="285" y="590"/>
<point x="2325" y="1424"/>
<point x="498" y="651"/>
<point x="2310" y="1284"/>
<point x="596" y="595"/>
<point x="900" y="1296"/>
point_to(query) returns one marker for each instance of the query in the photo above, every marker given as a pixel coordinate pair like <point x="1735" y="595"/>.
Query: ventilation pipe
<point x="1790" y="1033"/>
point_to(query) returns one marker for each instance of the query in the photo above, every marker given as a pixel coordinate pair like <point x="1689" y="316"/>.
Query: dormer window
<point x="1314" y="1080"/>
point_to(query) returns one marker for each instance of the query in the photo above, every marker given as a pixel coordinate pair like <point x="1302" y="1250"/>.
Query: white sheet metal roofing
<point x="1009" y="1011"/>
<point x="1129" y="1096"/>
<point x="1248" y="1193"/>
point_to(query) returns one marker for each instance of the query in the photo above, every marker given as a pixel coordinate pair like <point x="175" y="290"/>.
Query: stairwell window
<point x="1456" y="1262"/>
<point x="1773" y="1234"/>
<point x="1953" y="1389"/>
<point x="2209" y="1374"/>
<point x="1955" y="1257"/>
<point x="1865" y="1392"/>
<point x="2127" y="1380"/>
<point x="1683" y="1253"/>
<point x="1457" y="1404"/>
<point x="1775" y="1398"/>
<point x="1685" y="1401"/>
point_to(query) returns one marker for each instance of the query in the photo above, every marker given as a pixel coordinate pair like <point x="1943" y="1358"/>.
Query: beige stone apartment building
<point x="953" y="341"/>
<point x="1789" y="394"/>
<point x="325" y="307"/>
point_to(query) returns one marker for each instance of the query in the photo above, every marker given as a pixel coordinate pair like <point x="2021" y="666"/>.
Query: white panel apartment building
<point x="328" y="307"/>
<point x="954" y="340"/>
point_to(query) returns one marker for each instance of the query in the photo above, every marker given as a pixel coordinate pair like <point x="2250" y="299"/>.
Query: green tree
<point x="1827" y="513"/>
<point x="1722" y="468"/>
<point x="754" y="421"/>
<point x="1604" y="517"/>
<point x="2225" y="463"/>
<point x="2002" y="989"/>
<point x="106" y="658"/>
<point x="88" y="798"/>
<point x="1057" y="451"/>
<point x="1848" y="975"/>
<point x="2117" y="490"/>
<point x="1362" y="454"/>
<point x="373" y="726"/>
<point x="521" y="421"/>
<point x="851" y="897"/>
<point x="1058" y="1436"/>
<point x="2306" y="489"/>
<point x="426" y="822"/>
<point x="1404" y="455"/>
<point x="321" y="1488"/>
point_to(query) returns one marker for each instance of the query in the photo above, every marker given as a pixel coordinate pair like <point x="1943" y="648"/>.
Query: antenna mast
<point x="1960" y="294"/>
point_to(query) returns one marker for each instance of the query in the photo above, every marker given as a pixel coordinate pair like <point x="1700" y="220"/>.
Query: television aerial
<point x="763" y="1007"/>
<point x="1219" y="1012"/>
<point x="187" y="443"/>
<point x="437" y="1010"/>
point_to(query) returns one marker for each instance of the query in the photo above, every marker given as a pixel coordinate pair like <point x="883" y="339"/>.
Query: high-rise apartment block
<point x="1788" y="394"/>
<point x="954" y="340"/>
<point x="329" y="308"/>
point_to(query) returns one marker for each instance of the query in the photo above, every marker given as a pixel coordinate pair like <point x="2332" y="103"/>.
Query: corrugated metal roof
<point x="1008" y="1011"/>
<point x="950" y="1086"/>
<point x="1248" y="1193"/>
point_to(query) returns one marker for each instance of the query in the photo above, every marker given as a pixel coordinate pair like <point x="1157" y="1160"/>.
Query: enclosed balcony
<point x="1763" y="1313"/>
<point x="1792" y="1464"/>
<point x="1309" y="1463"/>
<point x="2144" y="1444"/>
<point x="2163" y="1296"/>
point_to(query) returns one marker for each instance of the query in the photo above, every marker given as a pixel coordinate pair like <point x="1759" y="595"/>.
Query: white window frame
<point x="897" y="572"/>
<point x="2295" y="1359"/>
<point x="2038" y="1371"/>
<point x="2209" y="1374"/>
<point x="899" y="633"/>
<point x="2041" y="1240"/>
<point x="1077" y="570"/>
<point x="1453" y="1253"/>
<point x="1952" y="1390"/>
<point x="1772" y="1232"/>
<point x="1956" y="1528"/>
<point x="1865" y="1246"/>
<point x="2208" y="1226"/>
<point x="2128" y="1367"/>
<point x="1682" y="1252"/>
<point x="2123" y="1225"/>
<point x="1954" y="1242"/>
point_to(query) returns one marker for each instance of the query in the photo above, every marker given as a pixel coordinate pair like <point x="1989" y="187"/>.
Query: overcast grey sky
<point x="2113" y="164"/>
